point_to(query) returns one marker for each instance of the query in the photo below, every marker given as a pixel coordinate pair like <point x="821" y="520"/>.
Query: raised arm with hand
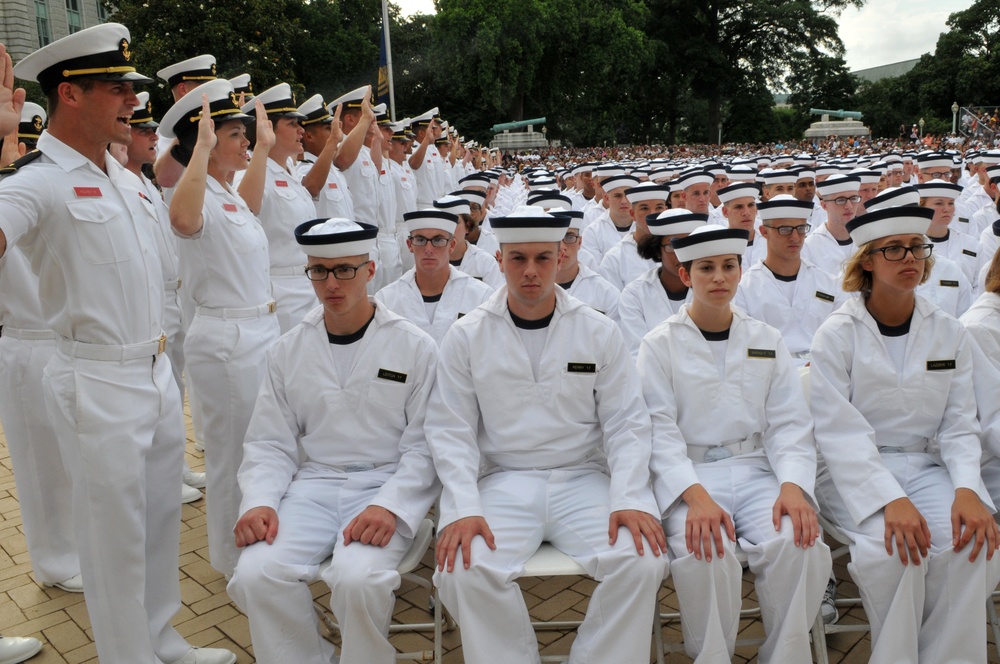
<point x="189" y="198"/>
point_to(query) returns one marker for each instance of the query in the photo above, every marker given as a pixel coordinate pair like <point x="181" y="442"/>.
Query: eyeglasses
<point x="897" y="253"/>
<point x="843" y="200"/>
<point x="571" y="238"/>
<point x="667" y="248"/>
<point x="475" y="207"/>
<point x="802" y="229"/>
<point x="437" y="240"/>
<point x="340" y="273"/>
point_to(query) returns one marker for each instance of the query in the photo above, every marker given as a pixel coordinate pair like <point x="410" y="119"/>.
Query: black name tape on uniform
<point x="763" y="353"/>
<point x="949" y="283"/>
<point x="826" y="297"/>
<point x="940" y="365"/>
<point x="581" y="367"/>
<point x="968" y="252"/>
<point x="394" y="376"/>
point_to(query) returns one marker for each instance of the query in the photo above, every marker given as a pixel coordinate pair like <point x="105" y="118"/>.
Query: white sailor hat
<point x="741" y="173"/>
<point x="993" y="172"/>
<point x="929" y="160"/>
<point x="710" y="240"/>
<point x="763" y="160"/>
<point x="778" y="176"/>
<point x="889" y="221"/>
<point x="540" y="183"/>
<point x="647" y="191"/>
<point x="315" y="111"/>
<point x="677" y="221"/>
<point x="660" y="176"/>
<point x="336" y="238"/>
<point x="452" y="203"/>
<point x="33" y="121"/>
<point x="803" y="173"/>
<point x="896" y="166"/>
<point x="713" y="167"/>
<point x="827" y="169"/>
<point x="939" y="189"/>
<point x="242" y="85"/>
<point x="608" y="170"/>
<point x="617" y="182"/>
<point x="471" y="196"/>
<point x="784" y="207"/>
<point x="278" y="101"/>
<point x="529" y="224"/>
<point x="893" y="158"/>
<point x="575" y="217"/>
<point x="738" y="190"/>
<point x="200" y="68"/>
<point x="352" y="99"/>
<point x="990" y="156"/>
<point x="894" y="197"/>
<point x="102" y="52"/>
<point x="866" y="176"/>
<point x="782" y="160"/>
<point x="694" y="177"/>
<point x="839" y="184"/>
<point x="804" y="159"/>
<point x="426" y="118"/>
<point x="439" y="220"/>
<point x="475" y="180"/>
<point x="142" y="115"/>
<point x="549" y="198"/>
<point x="879" y="167"/>
<point x="183" y="116"/>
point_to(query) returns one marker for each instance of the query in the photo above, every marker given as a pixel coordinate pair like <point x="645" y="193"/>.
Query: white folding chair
<point x="407" y="565"/>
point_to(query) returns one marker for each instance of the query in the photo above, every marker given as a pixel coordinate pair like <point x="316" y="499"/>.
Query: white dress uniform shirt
<point x="644" y="304"/>
<point x="233" y="327"/>
<point x="335" y="200"/>
<point x="796" y="306"/>
<point x="461" y="295"/>
<point x="546" y="456"/>
<point x="767" y="430"/>
<point x="593" y="289"/>
<point x="756" y="250"/>
<point x="487" y="242"/>
<point x="982" y="221"/>
<point x="430" y="178"/>
<point x="602" y="235"/>
<point x="285" y="205"/>
<point x="982" y="320"/>
<point x="320" y="448"/>
<point x="884" y="434"/>
<point x="482" y="266"/>
<point x="89" y="237"/>
<point x="961" y="249"/>
<point x="622" y="263"/>
<point x="363" y="180"/>
<point x="388" y="244"/>
<point x="405" y="188"/>
<point x="947" y="287"/>
<point x="827" y="252"/>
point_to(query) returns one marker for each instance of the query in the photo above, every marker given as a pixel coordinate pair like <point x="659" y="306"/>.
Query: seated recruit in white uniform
<point x="545" y="437"/>
<point x="747" y="474"/>
<point x="335" y="461"/>
<point x="659" y="293"/>
<point x="433" y="294"/>
<point x="465" y="256"/>
<point x="623" y="263"/>
<point x="895" y="415"/>
<point x="784" y="290"/>
<point x="576" y="278"/>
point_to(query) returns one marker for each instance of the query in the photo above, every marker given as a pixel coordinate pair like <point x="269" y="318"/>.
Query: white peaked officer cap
<point x="529" y="224"/>
<point x="677" y="221"/>
<point x="710" y="240"/>
<point x="454" y="204"/>
<point x="185" y="114"/>
<point x="336" y="238"/>
<point x="784" y="207"/>
<point x="352" y="99"/>
<point x="102" y="52"/>
<point x="894" y="197"/>
<point x="876" y="225"/>
<point x="199" y="68"/>
<point x="431" y="218"/>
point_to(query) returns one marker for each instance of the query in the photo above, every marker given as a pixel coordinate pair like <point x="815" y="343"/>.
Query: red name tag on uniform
<point x="403" y="178"/>
<point x="88" y="192"/>
<point x="230" y="207"/>
<point x="332" y="185"/>
<point x="428" y="161"/>
<point x="382" y="172"/>
<point x="364" y="163"/>
<point x="280" y="183"/>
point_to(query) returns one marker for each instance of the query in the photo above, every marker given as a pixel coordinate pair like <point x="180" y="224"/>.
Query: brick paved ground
<point x="208" y="618"/>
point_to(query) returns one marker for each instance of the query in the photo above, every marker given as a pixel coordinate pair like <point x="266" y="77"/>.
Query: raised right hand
<point x="11" y="98"/>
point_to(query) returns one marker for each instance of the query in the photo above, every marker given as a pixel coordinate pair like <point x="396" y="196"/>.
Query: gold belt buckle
<point x="163" y="344"/>
<point x="178" y="284"/>
<point x="272" y="306"/>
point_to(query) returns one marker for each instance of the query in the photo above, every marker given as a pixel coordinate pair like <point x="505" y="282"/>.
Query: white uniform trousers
<point x="120" y="432"/>
<point x="932" y="612"/>
<point x="226" y="362"/>
<point x="175" y="330"/>
<point x="789" y="580"/>
<point x="991" y="478"/>
<point x="188" y="308"/>
<point x="294" y="296"/>
<point x="405" y="257"/>
<point x="570" y="509"/>
<point x="271" y="581"/>
<point x="43" y="488"/>
<point x="390" y="265"/>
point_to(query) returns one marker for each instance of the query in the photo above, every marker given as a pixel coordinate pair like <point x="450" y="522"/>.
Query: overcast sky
<point x="883" y="32"/>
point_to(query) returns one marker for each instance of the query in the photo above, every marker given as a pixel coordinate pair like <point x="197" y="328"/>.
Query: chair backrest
<point x="804" y="377"/>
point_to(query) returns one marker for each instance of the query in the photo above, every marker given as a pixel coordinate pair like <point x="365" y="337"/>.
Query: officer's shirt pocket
<point x="100" y="231"/>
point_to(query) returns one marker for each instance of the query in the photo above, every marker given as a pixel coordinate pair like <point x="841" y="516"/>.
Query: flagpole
<point x="388" y="58"/>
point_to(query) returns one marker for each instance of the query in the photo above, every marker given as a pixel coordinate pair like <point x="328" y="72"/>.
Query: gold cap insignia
<point x="36" y="122"/>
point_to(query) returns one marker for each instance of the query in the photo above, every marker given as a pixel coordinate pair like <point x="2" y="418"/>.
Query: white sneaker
<point x="828" y="609"/>
<point x="206" y="656"/>
<point x="197" y="480"/>
<point x="14" y="649"/>
<point x="73" y="584"/>
<point x="189" y="494"/>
